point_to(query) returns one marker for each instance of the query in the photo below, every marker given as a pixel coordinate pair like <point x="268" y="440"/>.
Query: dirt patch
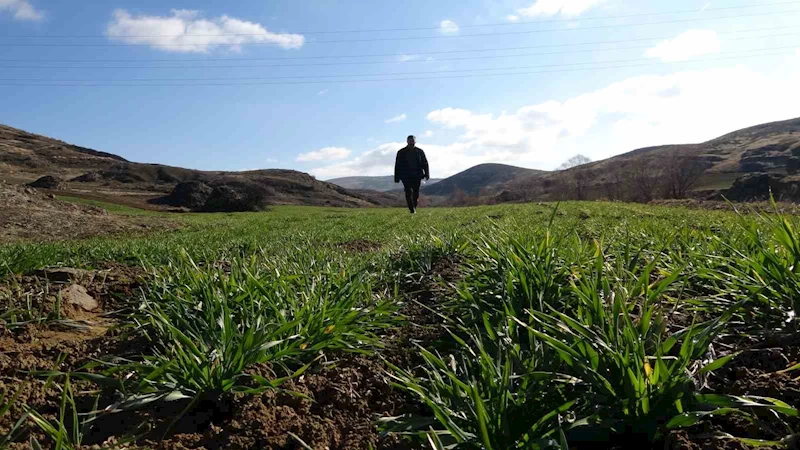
<point x="52" y="292"/>
<point x="754" y="372"/>
<point x="360" y="246"/>
<point x="346" y="399"/>
<point x="60" y="336"/>
<point x="424" y="325"/>
<point x="28" y="215"/>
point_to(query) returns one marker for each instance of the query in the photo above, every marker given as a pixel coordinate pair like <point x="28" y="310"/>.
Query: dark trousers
<point x="411" y="186"/>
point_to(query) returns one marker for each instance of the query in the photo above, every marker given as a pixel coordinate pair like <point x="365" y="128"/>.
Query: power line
<point x="484" y="57"/>
<point x="471" y="58"/>
<point x="383" y="30"/>
<point x="383" y="74"/>
<point x="106" y="84"/>
<point x="409" y="38"/>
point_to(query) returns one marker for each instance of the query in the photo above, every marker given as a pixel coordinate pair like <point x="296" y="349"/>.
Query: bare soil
<point x="360" y="246"/>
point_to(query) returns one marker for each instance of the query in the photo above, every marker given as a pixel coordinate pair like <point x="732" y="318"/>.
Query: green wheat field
<point x="535" y="326"/>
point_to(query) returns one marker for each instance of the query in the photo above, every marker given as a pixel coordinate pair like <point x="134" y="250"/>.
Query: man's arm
<point x="397" y="168"/>
<point x="426" y="171"/>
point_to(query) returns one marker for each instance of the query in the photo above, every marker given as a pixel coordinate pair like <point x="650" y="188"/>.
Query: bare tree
<point x="645" y="177"/>
<point x="457" y="198"/>
<point x="580" y="178"/>
<point x="614" y="186"/>
<point x="681" y="175"/>
<point x="575" y="161"/>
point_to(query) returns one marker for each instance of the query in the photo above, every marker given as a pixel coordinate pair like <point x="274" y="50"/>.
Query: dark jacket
<point x="411" y="163"/>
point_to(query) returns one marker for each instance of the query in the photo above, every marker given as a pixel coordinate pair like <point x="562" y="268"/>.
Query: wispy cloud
<point x="186" y="31"/>
<point x="705" y="7"/>
<point x="555" y="7"/>
<point x="513" y="18"/>
<point x="324" y="154"/>
<point x="396" y="119"/>
<point x="686" y="46"/>
<point x="21" y="10"/>
<point x="448" y="27"/>
<point x="405" y="58"/>
<point x="271" y="161"/>
<point x="322" y="92"/>
<point x="428" y="133"/>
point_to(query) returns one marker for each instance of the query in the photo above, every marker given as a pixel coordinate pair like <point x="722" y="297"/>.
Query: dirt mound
<point x="47" y="182"/>
<point x="26" y="214"/>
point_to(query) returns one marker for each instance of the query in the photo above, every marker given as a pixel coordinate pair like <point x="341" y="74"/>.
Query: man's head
<point x="411" y="140"/>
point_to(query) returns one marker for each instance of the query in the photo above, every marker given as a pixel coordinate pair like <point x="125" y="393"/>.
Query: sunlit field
<point x="535" y="326"/>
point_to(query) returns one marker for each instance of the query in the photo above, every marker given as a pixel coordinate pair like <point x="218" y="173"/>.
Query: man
<point x="411" y="167"/>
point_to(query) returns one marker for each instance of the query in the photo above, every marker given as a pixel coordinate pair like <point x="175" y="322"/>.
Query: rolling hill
<point x="24" y="157"/>
<point x="484" y="177"/>
<point x="670" y="171"/>
<point x="658" y="172"/>
<point x="381" y="184"/>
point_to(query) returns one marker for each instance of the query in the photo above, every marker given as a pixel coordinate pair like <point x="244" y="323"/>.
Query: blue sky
<point x="195" y="84"/>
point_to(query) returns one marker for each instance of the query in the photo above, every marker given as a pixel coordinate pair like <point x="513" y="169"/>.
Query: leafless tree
<point x="614" y="186"/>
<point x="457" y="198"/>
<point x="645" y="176"/>
<point x="580" y="178"/>
<point x="575" y="161"/>
<point x="681" y="175"/>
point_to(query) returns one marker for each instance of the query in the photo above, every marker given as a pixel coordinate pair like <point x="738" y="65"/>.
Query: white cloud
<point x="428" y="133"/>
<point x="682" y="107"/>
<point x="188" y="32"/>
<point x="445" y="160"/>
<point x="21" y="10"/>
<point x="396" y="119"/>
<point x="325" y="154"/>
<point x="686" y="46"/>
<point x="448" y="27"/>
<point x="554" y="7"/>
<point x="271" y="160"/>
<point x="513" y="18"/>
<point x="322" y="92"/>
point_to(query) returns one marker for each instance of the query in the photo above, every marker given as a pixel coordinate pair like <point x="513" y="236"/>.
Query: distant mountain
<point x="483" y="177"/>
<point x="81" y="171"/>
<point x="381" y="184"/>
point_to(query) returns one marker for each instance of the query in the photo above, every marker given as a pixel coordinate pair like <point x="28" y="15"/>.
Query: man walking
<point x="411" y="167"/>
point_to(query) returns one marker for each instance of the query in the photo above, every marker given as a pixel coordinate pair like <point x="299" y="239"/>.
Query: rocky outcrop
<point x="758" y="186"/>
<point x="223" y="196"/>
<point x="192" y="195"/>
<point x="47" y="182"/>
<point x="238" y="196"/>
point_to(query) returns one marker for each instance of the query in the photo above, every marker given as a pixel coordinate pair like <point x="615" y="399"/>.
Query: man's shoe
<point x="413" y="211"/>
